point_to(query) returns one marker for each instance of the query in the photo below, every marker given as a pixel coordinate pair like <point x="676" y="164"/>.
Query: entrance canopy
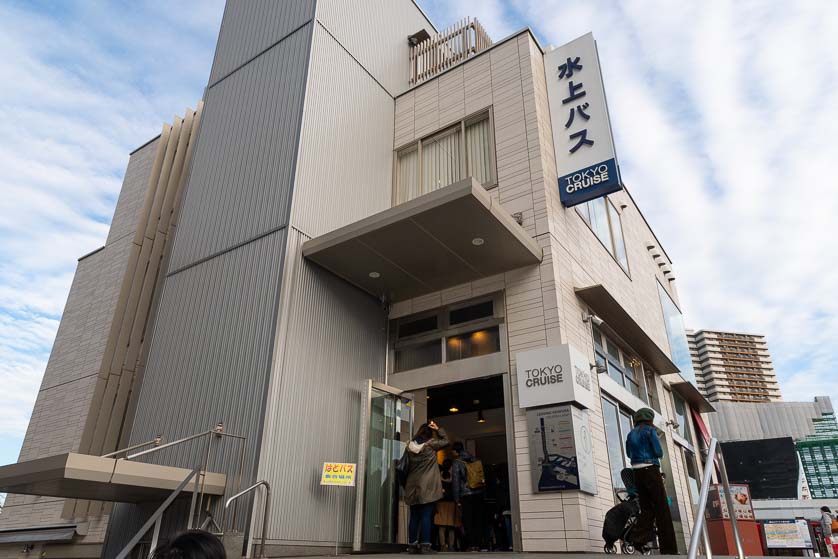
<point x="450" y="236"/>
<point x="618" y="319"/>
<point x="80" y="476"/>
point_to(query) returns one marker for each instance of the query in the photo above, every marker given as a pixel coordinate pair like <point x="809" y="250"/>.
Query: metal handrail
<point x="156" y="517"/>
<point x="155" y="441"/>
<point x="197" y="496"/>
<point x="699" y="526"/>
<point x="265" y="513"/>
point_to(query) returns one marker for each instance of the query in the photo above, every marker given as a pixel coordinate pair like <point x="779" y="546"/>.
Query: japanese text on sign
<point x="584" y="146"/>
<point x="576" y="91"/>
<point x="337" y="473"/>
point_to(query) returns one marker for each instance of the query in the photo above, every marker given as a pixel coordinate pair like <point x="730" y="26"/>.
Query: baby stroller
<point x="621" y="519"/>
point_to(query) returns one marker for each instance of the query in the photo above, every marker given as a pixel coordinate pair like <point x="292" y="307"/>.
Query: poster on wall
<point x="561" y="450"/>
<point x="582" y="138"/>
<point x="717" y="504"/>
<point x="787" y="534"/>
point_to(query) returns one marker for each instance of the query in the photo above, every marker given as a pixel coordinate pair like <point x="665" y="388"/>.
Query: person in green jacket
<point x="423" y="487"/>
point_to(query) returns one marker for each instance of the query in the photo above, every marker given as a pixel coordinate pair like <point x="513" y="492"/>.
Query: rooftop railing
<point x="436" y="54"/>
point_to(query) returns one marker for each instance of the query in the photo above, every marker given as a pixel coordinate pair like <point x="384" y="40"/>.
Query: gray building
<point x="732" y="366"/>
<point x="358" y="231"/>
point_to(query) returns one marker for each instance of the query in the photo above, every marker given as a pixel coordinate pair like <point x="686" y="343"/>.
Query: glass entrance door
<point x="386" y="426"/>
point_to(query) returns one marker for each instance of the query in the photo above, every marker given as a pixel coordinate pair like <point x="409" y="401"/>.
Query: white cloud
<point x="84" y="84"/>
<point x="724" y="117"/>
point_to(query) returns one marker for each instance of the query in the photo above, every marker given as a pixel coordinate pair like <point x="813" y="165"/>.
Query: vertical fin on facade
<point x="117" y="386"/>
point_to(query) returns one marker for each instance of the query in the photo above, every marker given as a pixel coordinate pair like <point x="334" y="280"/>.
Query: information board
<point x="717" y="504"/>
<point x="787" y="534"/>
<point x="561" y="452"/>
<point x="338" y="473"/>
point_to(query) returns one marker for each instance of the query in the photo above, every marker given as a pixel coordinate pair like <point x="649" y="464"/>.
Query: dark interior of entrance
<point x="472" y="413"/>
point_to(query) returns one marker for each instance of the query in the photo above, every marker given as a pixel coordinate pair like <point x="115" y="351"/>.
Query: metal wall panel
<point x="375" y="32"/>
<point x="251" y="26"/>
<point x="132" y="193"/>
<point x="243" y="164"/>
<point x="742" y="421"/>
<point x="209" y="360"/>
<point x="345" y="166"/>
<point x="333" y="340"/>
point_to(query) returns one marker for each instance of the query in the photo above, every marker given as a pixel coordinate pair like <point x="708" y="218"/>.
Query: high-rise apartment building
<point x="731" y="366"/>
<point x="370" y="235"/>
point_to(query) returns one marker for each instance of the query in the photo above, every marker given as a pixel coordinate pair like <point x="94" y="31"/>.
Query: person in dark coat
<point x="424" y="484"/>
<point x="644" y="449"/>
<point x="472" y="500"/>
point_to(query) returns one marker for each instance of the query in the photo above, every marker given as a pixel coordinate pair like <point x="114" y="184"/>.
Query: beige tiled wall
<point x="63" y="401"/>
<point x="541" y="306"/>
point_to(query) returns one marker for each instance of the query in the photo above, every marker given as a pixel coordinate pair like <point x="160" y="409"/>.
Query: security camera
<point x="591" y="317"/>
<point x="600" y="369"/>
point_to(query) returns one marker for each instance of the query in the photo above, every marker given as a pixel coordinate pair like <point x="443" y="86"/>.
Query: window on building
<point x="602" y="217"/>
<point x="625" y="369"/>
<point x="472" y="344"/>
<point x="617" y="426"/>
<point x="446" y="334"/>
<point x="679" y="348"/>
<point x="462" y="150"/>
<point x="681" y="416"/>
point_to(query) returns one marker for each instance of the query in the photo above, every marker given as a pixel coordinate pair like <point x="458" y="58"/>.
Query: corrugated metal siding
<point x="210" y="358"/>
<point x="334" y="341"/>
<point x="346" y="155"/>
<point x="251" y="26"/>
<point x="132" y="193"/>
<point x="242" y="172"/>
<point x="375" y="32"/>
<point x="742" y="422"/>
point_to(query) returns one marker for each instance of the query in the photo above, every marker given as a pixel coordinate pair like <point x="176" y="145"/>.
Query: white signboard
<point x="561" y="451"/>
<point x="585" y="158"/>
<point x="787" y="534"/>
<point x="554" y="375"/>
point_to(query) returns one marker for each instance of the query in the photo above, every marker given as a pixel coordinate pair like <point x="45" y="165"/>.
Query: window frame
<point x="460" y="125"/>
<point x="612" y="250"/>
<point x="622" y="412"/>
<point x="445" y="330"/>
<point x="618" y="363"/>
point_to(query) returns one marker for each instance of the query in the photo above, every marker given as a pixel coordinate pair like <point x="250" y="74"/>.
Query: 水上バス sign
<point x="584" y="146"/>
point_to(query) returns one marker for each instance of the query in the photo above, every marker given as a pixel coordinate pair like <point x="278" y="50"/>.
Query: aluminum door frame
<point x="361" y="468"/>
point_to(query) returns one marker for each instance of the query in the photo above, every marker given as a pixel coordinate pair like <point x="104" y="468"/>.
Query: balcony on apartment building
<point x="444" y="228"/>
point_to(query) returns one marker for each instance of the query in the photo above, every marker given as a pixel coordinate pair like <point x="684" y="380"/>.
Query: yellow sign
<point x="335" y="473"/>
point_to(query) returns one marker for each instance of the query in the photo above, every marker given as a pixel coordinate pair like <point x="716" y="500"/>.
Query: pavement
<point x="492" y="555"/>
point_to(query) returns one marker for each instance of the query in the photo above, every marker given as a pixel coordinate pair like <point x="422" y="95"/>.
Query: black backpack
<point x="402" y="466"/>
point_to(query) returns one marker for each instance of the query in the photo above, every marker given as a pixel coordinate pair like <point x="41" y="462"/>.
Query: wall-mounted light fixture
<point x="480" y="418"/>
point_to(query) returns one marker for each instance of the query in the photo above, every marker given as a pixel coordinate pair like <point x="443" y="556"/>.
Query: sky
<point x="723" y="115"/>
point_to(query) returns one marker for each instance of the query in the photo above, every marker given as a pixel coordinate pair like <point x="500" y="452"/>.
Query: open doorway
<point x="473" y="415"/>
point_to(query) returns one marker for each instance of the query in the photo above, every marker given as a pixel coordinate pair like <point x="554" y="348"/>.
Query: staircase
<point x="146" y="540"/>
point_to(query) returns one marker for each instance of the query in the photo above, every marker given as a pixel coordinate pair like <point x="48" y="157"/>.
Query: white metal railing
<point x="700" y="525"/>
<point x="265" y="513"/>
<point x="440" y="52"/>
<point x="156" y="518"/>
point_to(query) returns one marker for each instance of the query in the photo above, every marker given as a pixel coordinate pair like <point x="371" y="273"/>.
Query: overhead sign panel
<point x="585" y="158"/>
